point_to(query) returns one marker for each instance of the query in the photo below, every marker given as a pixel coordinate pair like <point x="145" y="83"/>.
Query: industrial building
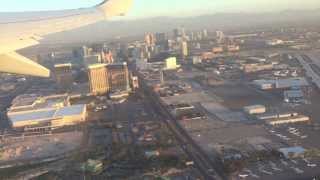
<point x="292" y="152"/>
<point x="256" y="67"/>
<point x="281" y="83"/>
<point x="293" y="96"/>
<point x="178" y="109"/>
<point x="31" y="111"/>
<point x="267" y="116"/>
<point x="255" y="109"/>
<point x="288" y="120"/>
<point x="283" y="118"/>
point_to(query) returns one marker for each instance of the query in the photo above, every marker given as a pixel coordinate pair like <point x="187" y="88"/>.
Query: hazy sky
<point x="149" y="8"/>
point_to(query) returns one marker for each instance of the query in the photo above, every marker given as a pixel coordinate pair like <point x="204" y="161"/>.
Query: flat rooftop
<point x="34" y="102"/>
<point x="47" y="114"/>
<point x="38" y="115"/>
<point x="280" y="83"/>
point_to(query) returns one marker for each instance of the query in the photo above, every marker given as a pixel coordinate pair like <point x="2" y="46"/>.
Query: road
<point x="308" y="65"/>
<point x="210" y="169"/>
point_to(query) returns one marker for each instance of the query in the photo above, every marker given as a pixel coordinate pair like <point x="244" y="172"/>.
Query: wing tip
<point x="115" y="7"/>
<point x="14" y="63"/>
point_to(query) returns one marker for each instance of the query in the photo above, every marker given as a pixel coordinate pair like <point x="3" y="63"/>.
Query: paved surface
<point x="25" y="149"/>
<point x="208" y="168"/>
<point x="307" y="62"/>
<point x="223" y="112"/>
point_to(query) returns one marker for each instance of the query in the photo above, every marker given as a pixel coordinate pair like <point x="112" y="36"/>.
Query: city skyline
<point x="144" y="9"/>
<point x="190" y="90"/>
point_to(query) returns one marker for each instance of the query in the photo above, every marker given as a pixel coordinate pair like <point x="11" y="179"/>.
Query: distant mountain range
<point x="112" y="29"/>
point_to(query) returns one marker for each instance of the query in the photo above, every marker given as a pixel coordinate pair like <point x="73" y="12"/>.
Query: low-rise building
<point x="255" y="109"/>
<point x="292" y="152"/>
<point x="51" y="111"/>
<point x="179" y="109"/>
<point x="256" y="67"/>
<point x="196" y="60"/>
<point x="293" y="96"/>
<point x="283" y="118"/>
<point x="281" y="83"/>
<point x="217" y="50"/>
<point x="171" y="63"/>
<point x="233" y="48"/>
<point x="267" y="116"/>
<point x="288" y="120"/>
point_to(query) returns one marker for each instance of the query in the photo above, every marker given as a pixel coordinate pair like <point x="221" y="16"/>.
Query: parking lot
<point x="282" y="169"/>
<point x="297" y="168"/>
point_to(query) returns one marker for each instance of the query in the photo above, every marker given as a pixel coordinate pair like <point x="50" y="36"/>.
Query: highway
<point x="210" y="168"/>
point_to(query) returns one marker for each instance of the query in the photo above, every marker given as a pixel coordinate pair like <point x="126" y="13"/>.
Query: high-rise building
<point x="98" y="79"/>
<point x="176" y="33"/>
<point x="92" y="59"/>
<point x="184" y="49"/>
<point x="183" y="33"/>
<point x="118" y="77"/>
<point x="205" y="33"/>
<point x="220" y="36"/>
<point x="192" y="36"/>
<point x="86" y="51"/>
<point x="199" y="35"/>
<point x="63" y="75"/>
<point x="107" y="56"/>
<point x="162" y="41"/>
<point x="134" y="82"/>
<point x="160" y="38"/>
<point x="150" y="39"/>
<point x="179" y="33"/>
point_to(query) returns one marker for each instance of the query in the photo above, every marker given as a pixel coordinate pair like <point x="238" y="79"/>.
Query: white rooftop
<point x="46" y="114"/>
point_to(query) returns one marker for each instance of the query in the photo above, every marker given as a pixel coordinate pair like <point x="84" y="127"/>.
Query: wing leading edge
<point x="20" y="34"/>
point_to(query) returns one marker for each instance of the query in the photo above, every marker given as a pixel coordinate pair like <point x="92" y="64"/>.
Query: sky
<point x="152" y="8"/>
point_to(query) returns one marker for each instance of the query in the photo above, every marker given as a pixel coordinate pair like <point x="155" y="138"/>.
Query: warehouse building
<point x="255" y="109"/>
<point x="283" y="118"/>
<point x="52" y="111"/>
<point x="292" y="152"/>
<point x="281" y="83"/>
<point x="288" y="120"/>
<point x="294" y="96"/>
<point x="256" y="67"/>
<point x="267" y="116"/>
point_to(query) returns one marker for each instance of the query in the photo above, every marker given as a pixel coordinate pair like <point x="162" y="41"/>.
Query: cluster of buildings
<point x="107" y="71"/>
<point x="101" y="75"/>
<point x="259" y="112"/>
<point x="93" y="55"/>
<point x="106" y="78"/>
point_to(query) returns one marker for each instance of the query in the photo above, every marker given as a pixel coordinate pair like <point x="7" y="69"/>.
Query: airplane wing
<point x="18" y="33"/>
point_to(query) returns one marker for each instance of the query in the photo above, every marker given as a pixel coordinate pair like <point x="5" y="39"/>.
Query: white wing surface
<point x="26" y="29"/>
